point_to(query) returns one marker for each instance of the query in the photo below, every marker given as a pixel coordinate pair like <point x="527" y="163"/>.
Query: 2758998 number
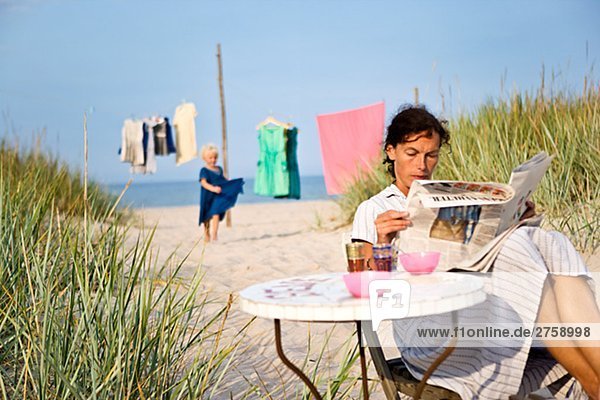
<point x="562" y="332"/>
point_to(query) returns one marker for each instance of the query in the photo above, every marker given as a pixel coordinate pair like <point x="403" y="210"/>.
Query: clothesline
<point x="143" y="140"/>
<point x="348" y="139"/>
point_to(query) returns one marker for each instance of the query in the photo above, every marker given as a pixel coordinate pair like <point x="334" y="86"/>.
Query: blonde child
<point x="217" y="193"/>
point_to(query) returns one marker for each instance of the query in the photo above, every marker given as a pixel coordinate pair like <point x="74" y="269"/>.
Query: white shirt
<point x="185" y="133"/>
<point x="363" y="227"/>
<point x="132" y="135"/>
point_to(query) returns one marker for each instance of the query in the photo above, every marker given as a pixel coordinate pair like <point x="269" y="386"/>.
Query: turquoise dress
<point x="216" y="204"/>
<point x="272" y="177"/>
<point x="292" y="162"/>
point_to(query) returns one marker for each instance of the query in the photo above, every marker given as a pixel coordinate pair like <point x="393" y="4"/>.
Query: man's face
<point x="415" y="159"/>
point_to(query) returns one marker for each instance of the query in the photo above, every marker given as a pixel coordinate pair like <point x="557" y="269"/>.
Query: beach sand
<point x="266" y="241"/>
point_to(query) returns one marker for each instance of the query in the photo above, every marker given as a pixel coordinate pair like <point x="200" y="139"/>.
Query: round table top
<point x="324" y="297"/>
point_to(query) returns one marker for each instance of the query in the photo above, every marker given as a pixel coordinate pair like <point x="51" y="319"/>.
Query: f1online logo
<point x="388" y="299"/>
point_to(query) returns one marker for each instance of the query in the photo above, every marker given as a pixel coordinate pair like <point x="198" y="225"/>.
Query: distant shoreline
<point x="246" y="178"/>
<point x="187" y="193"/>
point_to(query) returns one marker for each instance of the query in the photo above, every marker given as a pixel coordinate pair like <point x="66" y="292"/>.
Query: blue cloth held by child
<point x="216" y="204"/>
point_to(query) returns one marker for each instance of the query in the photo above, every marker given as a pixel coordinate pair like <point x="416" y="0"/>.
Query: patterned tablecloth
<point x="324" y="297"/>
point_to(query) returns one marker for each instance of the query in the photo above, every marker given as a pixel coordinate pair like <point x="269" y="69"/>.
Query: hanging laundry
<point x="142" y="140"/>
<point x="349" y="140"/>
<point x="132" y="135"/>
<point x="163" y="137"/>
<point x="272" y="176"/>
<point x="291" y="146"/>
<point x="185" y="133"/>
<point x="149" y="166"/>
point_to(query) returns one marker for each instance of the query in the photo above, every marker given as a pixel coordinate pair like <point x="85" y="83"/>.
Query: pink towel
<point x="349" y="140"/>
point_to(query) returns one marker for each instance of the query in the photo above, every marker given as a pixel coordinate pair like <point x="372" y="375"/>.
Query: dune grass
<point x="42" y="175"/>
<point x="488" y="143"/>
<point x="337" y="378"/>
<point x="83" y="316"/>
<point x="87" y="314"/>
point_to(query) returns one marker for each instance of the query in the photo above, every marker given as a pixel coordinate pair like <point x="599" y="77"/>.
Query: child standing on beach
<point x="217" y="193"/>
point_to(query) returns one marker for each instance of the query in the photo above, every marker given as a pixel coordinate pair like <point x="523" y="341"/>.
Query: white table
<point x="324" y="298"/>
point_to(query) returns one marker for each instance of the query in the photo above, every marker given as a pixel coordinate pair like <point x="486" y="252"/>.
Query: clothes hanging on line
<point x="272" y="178"/>
<point x="185" y="133"/>
<point x="291" y="147"/>
<point x="132" y="135"/>
<point x="149" y="165"/>
<point x="163" y="137"/>
<point x="277" y="173"/>
<point x="350" y="140"/>
<point x="142" y="140"/>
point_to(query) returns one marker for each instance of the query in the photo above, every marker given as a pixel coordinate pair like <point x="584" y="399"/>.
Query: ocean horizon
<point x="187" y="193"/>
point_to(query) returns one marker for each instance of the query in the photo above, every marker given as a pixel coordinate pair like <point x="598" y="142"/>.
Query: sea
<point x="186" y="193"/>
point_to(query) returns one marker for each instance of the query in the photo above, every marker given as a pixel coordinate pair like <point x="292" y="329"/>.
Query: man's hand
<point x="390" y="222"/>
<point x="529" y="211"/>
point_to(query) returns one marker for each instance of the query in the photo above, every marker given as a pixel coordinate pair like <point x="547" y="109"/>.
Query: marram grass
<point x="84" y="316"/>
<point x="33" y="174"/>
<point x="487" y="144"/>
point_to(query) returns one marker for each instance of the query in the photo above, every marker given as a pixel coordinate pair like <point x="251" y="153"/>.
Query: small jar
<point x="383" y="257"/>
<point x="355" y="254"/>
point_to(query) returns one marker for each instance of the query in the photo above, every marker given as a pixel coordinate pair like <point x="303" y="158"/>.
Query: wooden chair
<point x="407" y="384"/>
<point x="395" y="377"/>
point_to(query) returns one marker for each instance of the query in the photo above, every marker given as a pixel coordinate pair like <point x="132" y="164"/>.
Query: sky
<point x="292" y="60"/>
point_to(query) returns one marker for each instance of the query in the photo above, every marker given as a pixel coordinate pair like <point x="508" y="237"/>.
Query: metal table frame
<point x="255" y="303"/>
<point x="305" y="379"/>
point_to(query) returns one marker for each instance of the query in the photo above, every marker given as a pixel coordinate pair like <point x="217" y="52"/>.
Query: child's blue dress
<point x="216" y="204"/>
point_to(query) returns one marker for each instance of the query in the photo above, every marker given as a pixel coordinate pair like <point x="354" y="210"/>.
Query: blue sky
<point x="292" y="59"/>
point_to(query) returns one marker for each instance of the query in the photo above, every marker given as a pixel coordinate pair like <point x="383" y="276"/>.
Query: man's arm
<point x="387" y="224"/>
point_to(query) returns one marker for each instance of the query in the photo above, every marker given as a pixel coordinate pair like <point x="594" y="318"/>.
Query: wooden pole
<point x="224" y="125"/>
<point x="416" y="96"/>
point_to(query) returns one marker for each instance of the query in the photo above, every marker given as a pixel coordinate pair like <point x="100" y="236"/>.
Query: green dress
<point x="272" y="176"/>
<point x="292" y="160"/>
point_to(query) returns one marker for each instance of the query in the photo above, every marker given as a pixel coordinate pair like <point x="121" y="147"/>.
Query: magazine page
<point x="524" y="180"/>
<point x="458" y="219"/>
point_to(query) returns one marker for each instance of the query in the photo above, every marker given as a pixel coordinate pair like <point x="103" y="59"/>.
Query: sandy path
<point x="267" y="241"/>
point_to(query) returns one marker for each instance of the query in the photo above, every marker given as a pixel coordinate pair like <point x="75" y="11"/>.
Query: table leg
<point x="387" y="381"/>
<point x="438" y="360"/>
<point x="289" y="364"/>
<point x="363" y="363"/>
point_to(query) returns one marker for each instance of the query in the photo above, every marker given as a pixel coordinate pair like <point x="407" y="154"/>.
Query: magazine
<point x="468" y="221"/>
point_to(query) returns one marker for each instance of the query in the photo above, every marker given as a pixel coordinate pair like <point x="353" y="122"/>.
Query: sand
<point x="266" y="241"/>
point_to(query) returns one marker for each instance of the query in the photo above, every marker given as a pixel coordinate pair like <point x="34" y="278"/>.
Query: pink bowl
<point x="357" y="283"/>
<point x="420" y="262"/>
